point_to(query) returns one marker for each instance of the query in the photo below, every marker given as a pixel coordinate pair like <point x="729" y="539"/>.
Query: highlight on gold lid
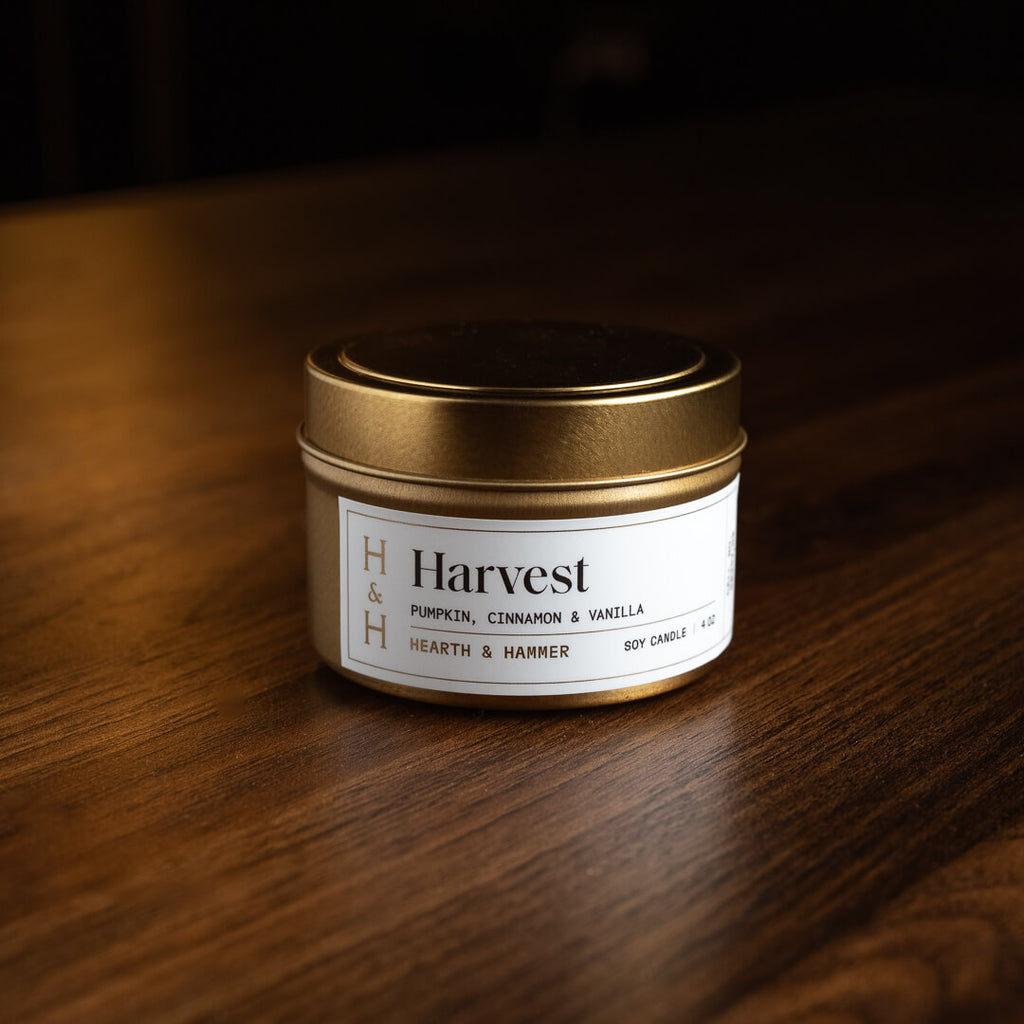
<point x="527" y="402"/>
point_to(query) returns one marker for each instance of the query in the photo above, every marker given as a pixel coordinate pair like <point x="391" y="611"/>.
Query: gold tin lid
<point x="523" y="403"/>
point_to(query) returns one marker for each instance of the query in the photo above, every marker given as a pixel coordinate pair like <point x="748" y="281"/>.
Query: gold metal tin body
<point x="510" y="421"/>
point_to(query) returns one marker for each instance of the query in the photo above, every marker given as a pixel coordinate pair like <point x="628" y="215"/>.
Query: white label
<point x="536" y="607"/>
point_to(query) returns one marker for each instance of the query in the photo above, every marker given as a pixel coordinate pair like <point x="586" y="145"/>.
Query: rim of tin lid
<point x="539" y="359"/>
<point x="523" y="401"/>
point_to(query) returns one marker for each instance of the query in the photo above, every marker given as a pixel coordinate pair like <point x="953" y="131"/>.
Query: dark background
<point x="100" y="95"/>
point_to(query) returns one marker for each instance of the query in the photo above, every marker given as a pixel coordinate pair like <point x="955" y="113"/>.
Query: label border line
<point x="577" y="529"/>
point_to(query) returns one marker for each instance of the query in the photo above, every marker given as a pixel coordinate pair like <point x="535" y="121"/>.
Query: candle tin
<point x="522" y="514"/>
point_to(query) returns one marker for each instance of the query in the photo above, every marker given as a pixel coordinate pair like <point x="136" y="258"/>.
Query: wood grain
<point x="945" y="947"/>
<point x="198" y="822"/>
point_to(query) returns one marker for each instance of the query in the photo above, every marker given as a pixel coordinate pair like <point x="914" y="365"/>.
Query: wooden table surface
<point x="199" y="822"/>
